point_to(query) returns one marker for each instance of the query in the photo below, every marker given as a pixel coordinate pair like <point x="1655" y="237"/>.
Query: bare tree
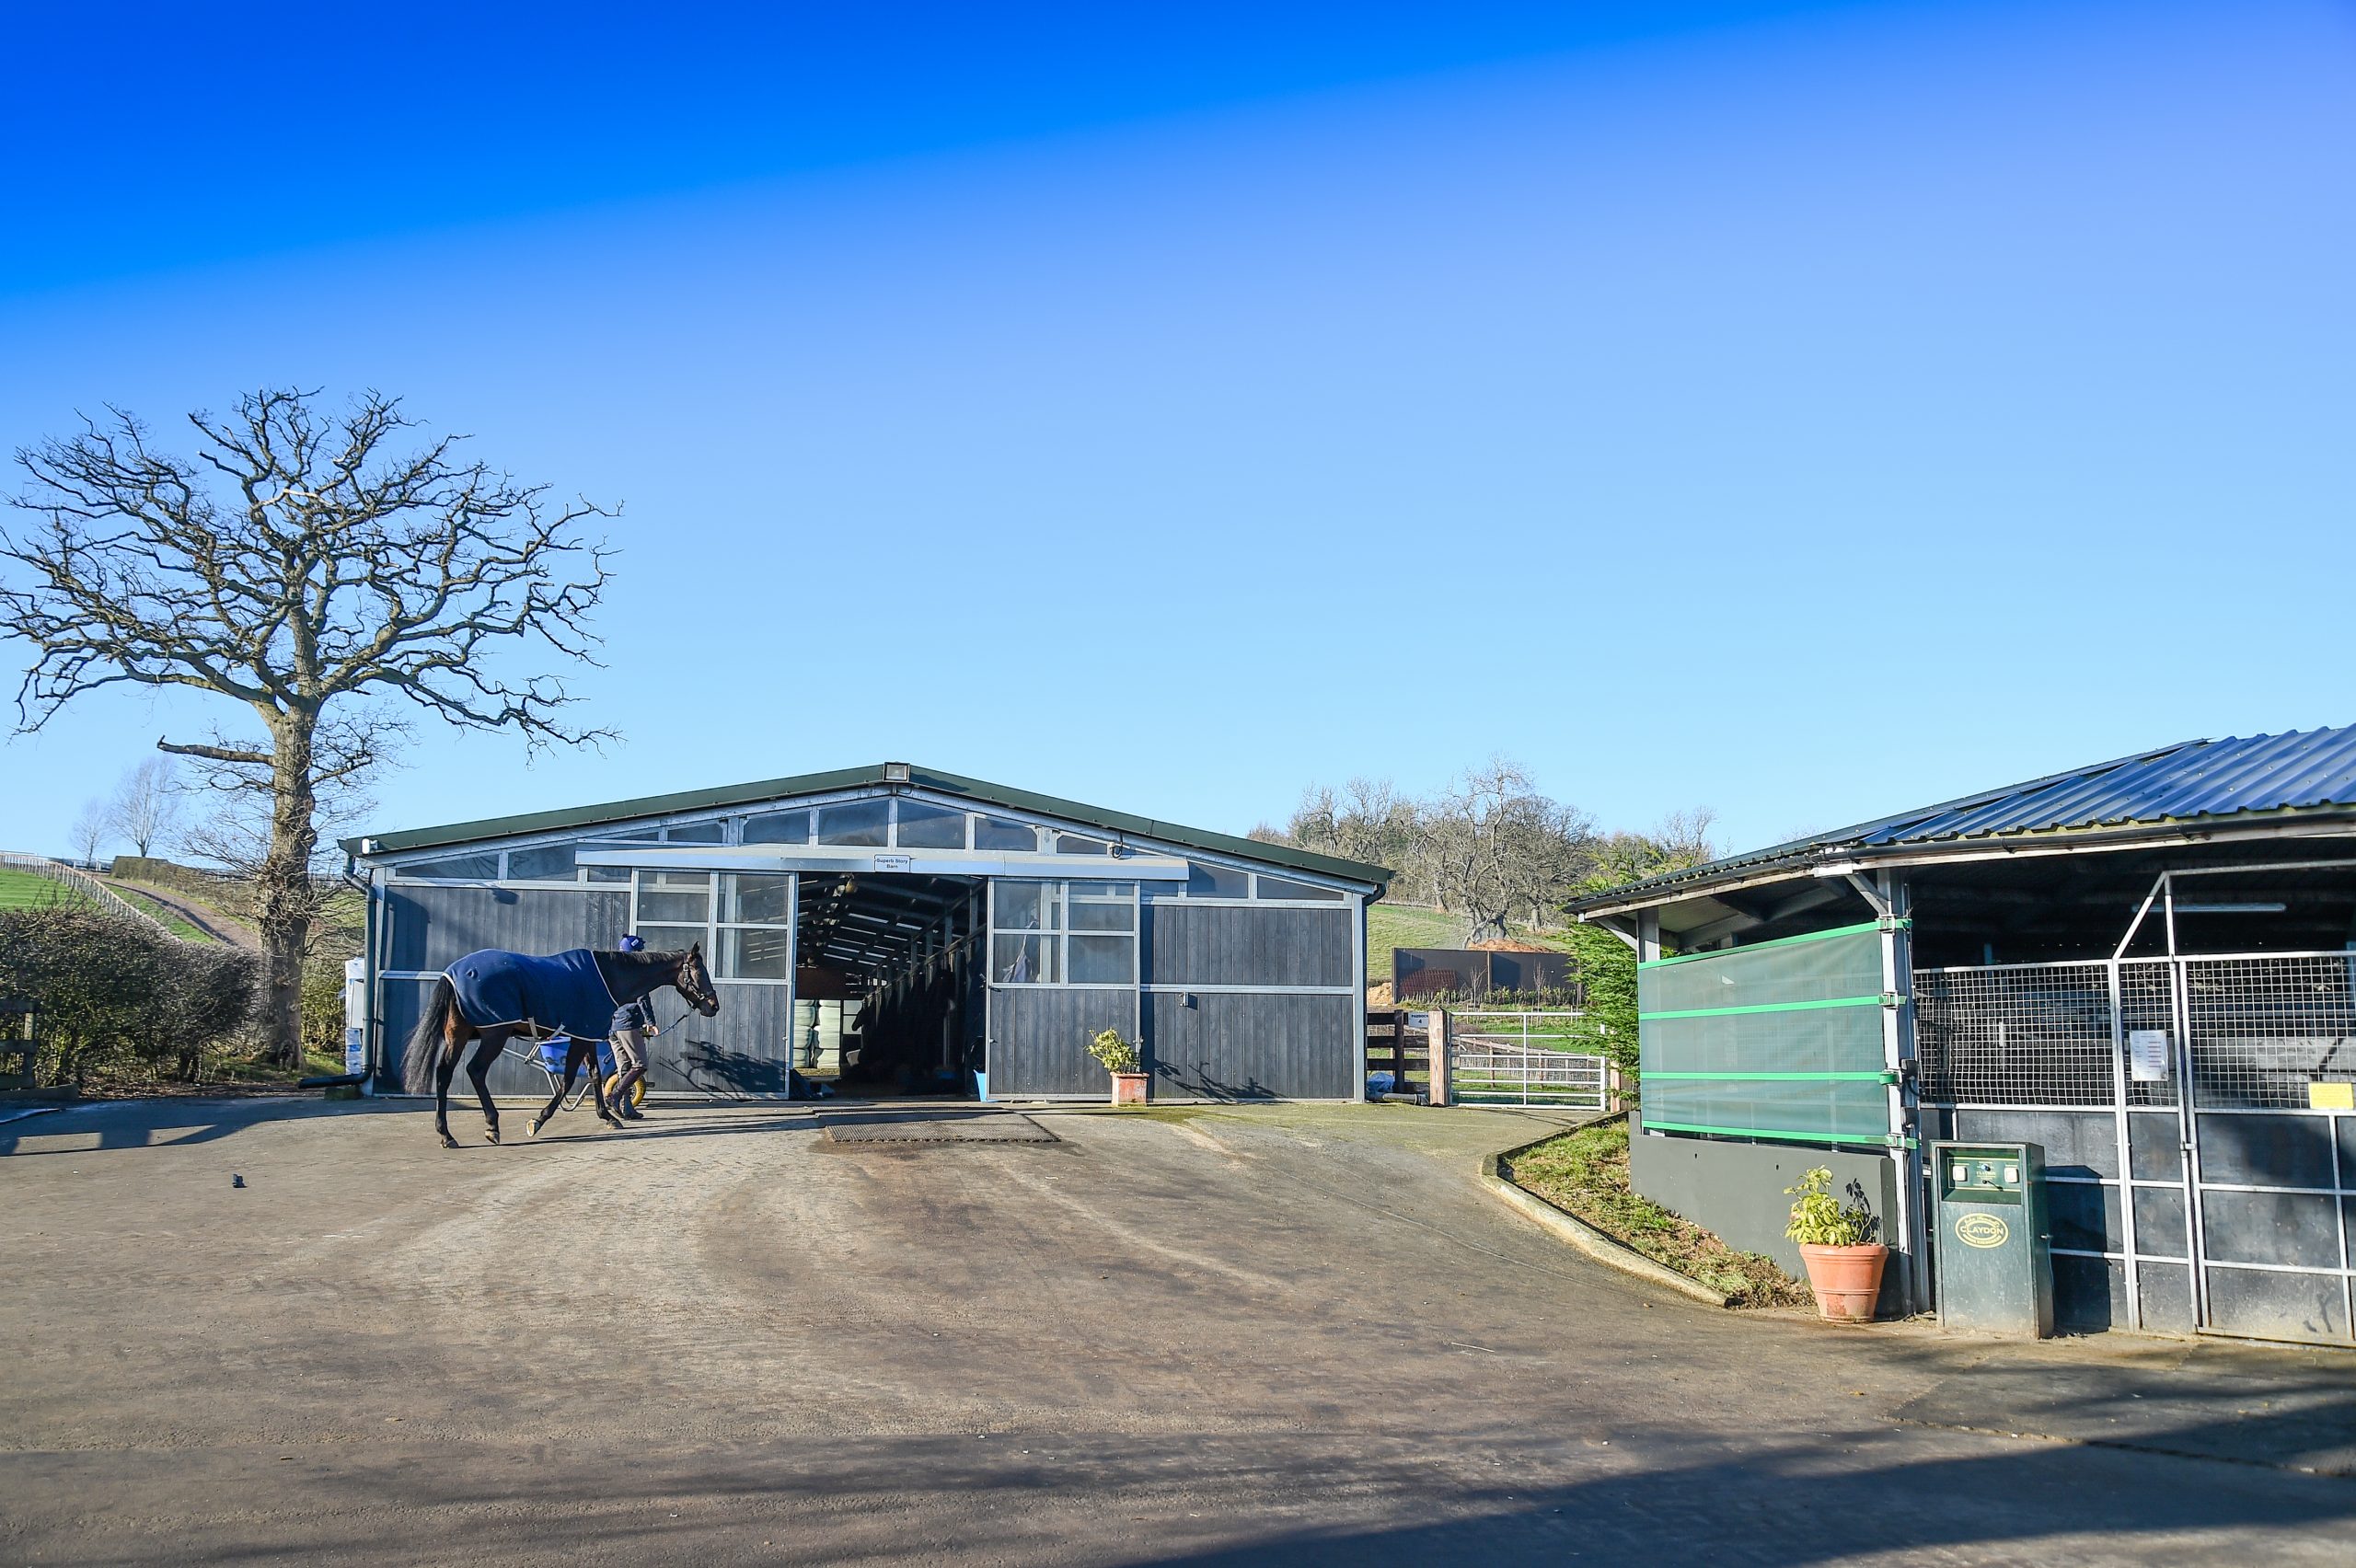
<point x="1368" y="821"/>
<point x="303" y="568"/>
<point x="1682" y="840"/>
<point x="1496" y="847"/>
<point x="91" y="830"/>
<point x="146" y="807"/>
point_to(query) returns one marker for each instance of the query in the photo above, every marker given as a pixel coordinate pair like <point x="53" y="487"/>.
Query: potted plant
<point x="1843" y="1265"/>
<point x="1120" y="1058"/>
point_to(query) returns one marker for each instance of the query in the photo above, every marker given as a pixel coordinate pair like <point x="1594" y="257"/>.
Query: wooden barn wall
<point x="1039" y="1037"/>
<point x="1252" y="1045"/>
<point x="743" y="1051"/>
<point x="1238" y="945"/>
<point x="435" y="927"/>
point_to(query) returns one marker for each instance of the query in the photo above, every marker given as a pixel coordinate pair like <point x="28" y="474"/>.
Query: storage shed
<point x="897" y="929"/>
<point x="2147" y="965"/>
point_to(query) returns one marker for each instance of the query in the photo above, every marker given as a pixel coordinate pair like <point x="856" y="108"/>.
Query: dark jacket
<point x="632" y="1015"/>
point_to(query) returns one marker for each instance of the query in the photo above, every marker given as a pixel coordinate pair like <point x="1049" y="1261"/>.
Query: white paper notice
<point x="2147" y="1053"/>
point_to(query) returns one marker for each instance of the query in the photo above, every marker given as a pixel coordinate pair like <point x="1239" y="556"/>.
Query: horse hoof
<point x="449" y="1142"/>
<point x="490" y="1134"/>
<point x="532" y="1127"/>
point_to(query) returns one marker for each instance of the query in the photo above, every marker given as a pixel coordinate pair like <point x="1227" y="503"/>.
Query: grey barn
<point x="2146" y="965"/>
<point x="896" y="929"/>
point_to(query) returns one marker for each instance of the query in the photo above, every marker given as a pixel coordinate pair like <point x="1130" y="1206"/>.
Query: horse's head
<point x="693" y="981"/>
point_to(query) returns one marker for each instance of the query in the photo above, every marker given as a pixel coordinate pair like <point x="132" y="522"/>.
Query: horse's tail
<point x="435" y="1041"/>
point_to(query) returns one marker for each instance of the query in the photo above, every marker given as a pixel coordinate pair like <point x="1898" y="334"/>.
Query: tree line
<point x="1490" y="845"/>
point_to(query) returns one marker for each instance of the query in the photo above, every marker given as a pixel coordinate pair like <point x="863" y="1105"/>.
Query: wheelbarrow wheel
<point x="637" y="1090"/>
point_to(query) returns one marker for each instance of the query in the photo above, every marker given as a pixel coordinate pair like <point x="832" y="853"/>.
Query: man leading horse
<point x="490" y="998"/>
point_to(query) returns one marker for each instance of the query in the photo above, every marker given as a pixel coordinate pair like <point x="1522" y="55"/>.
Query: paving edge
<point x="1585" y="1236"/>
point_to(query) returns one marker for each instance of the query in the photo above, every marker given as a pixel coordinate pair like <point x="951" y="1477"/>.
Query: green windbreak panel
<point x="1821" y="1040"/>
<point x="1847" y="964"/>
<point x="1782" y="1039"/>
<point x="1764" y="1108"/>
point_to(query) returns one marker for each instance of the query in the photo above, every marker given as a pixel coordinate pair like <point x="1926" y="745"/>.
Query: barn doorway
<point x="889" y="992"/>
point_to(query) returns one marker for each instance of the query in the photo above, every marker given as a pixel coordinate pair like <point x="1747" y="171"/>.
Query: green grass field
<point x="28" y="890"/>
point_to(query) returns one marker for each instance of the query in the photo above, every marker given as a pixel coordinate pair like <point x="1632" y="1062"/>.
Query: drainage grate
<point x="1002" y="1129"/>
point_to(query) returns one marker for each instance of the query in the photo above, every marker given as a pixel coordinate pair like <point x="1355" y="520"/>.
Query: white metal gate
<point x="1522" y="1058"/>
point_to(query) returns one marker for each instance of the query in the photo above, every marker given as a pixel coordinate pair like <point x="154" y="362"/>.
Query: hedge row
<point x="119" y="999"/>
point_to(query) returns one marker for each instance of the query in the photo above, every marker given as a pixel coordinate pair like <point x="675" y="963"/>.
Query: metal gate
<point x="1522" y="1058"/>
<point x="2197" y="1116"/>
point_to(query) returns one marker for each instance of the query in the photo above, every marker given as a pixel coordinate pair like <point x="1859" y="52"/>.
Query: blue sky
<point x="1804" y="411"/>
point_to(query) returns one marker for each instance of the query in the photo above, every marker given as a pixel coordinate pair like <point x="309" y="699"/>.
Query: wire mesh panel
<point x="2271" y="1033"/>
<point x="2147" y="1007"/>
<point x="2021" y="1035"/>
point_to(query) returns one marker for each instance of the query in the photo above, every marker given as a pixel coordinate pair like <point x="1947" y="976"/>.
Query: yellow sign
<point x="2324" y="1095"/>
<point x="1982" y="1231"/>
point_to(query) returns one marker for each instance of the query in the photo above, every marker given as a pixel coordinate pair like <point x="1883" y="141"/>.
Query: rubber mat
<point x="942" y="1130"/>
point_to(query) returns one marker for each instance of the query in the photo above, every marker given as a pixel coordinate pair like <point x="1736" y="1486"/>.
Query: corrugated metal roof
<point x="2192" y="781"/>
<point x="777" y="790"/>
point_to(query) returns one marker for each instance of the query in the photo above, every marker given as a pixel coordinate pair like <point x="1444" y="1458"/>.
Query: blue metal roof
<point x="2193" y="780"/>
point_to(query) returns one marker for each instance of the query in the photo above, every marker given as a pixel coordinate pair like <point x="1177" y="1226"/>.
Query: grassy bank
<point x="30" y="889"/>
<point x="170" y="917"/>
<point x="1586" y="1173"/>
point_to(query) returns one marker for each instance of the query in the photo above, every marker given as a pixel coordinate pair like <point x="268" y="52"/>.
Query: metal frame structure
<point x="2258" y="989"/>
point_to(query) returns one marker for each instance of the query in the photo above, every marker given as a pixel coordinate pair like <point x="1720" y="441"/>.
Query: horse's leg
<point x="478" y="1069"/>
<point x="588" y="1048"/>
<point x="563" y="1088"/>
<point x="444" y="1071"/>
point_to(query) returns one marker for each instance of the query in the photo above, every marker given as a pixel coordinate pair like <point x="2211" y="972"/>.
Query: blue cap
<point x="633" y="943"/>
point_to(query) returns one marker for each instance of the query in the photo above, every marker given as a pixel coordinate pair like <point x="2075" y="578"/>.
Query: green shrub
<point x="120" y="999"/>
<point x="1819" y="1219"/>
<point x="1118" y="1055"/>
<point x="322" y="1008"/>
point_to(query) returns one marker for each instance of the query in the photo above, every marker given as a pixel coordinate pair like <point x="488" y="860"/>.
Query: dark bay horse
<point x="490" y="998"/>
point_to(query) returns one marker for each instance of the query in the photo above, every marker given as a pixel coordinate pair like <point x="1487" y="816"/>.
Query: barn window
<point x="855" y="821"/>
<point x="931" y="827"/>
<point x="1064" y="933"/>
<point x="777" y="828"/>
<point x="1281" y="887"/>
<point x="456" y="868"/>
<point x="675" y="897"/>
<point x="695" y="832"/>
<point x="1004" y="833"/>
<point x="756" y="934"/>
<point x="1217" y="881"/>
<point x="547" y="862"/>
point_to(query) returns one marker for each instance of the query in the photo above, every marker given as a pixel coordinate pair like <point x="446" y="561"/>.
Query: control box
<point x="1992" y="1246"/>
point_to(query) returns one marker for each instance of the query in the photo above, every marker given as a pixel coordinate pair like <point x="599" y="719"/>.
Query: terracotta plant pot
<point x="1847" y="1280"/>
<point x="1128" y="1089"/>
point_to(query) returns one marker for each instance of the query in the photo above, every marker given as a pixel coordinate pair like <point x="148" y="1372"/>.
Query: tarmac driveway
<point x="1281" y="1334"/>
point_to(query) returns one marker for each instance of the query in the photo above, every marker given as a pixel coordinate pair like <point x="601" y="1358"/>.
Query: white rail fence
<point x="80" y="881"/>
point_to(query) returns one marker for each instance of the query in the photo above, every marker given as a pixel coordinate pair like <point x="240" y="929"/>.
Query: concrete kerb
<point x="1582" y="1235"/>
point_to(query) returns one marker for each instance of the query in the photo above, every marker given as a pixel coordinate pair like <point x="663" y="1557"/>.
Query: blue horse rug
<point x="562" y="992"/>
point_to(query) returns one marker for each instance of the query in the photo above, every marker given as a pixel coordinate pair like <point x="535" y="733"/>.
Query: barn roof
<point x="2248" y="780"/>
<point x="768" y="791"/>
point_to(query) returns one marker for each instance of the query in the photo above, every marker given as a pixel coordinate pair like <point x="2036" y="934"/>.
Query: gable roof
<point x="768" y="791"/>
<point x="2305" y="773"/>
